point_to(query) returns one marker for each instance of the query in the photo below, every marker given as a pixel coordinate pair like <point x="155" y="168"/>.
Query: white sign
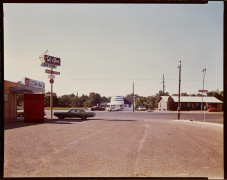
<point x="48" y="65"/>
<point x="34" y="83"/>
<point x="51" y="76"/>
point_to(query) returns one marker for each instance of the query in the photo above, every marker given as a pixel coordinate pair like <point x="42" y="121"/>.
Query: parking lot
<point x="115" y="144"/>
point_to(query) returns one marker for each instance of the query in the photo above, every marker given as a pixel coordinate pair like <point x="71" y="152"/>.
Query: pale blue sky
<point x="105" y="47"/>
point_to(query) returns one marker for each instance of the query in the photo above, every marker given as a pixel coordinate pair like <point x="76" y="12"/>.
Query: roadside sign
<point x="52" y="60"/>
<point x="34" y="83"/>
<point x="51" y="76"/>
<point x="206" y="91"/>
<point x="51" y="81"/>
<point x="49" y="94"/>
<point x="54" y="72"/>
<point x="48" y="65"/>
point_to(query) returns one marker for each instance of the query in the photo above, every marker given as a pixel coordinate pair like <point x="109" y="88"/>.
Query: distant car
<point x="213" y="109"/>
<point x="20" y="113"/>
<point x="97" y="108"/>
<point x="113" y="109"/>
<point x="141" y="108"/>
<point x="74" y="113"/>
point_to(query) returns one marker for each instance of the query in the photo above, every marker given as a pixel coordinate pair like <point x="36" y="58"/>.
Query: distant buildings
<point x="190" y="102"/>
<point x="120" y="102"/>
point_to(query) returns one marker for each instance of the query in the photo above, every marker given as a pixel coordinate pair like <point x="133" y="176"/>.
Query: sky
<point x="104" y="48"/>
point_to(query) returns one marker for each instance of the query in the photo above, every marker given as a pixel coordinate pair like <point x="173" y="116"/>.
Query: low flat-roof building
<point x="190" y="102"/>
<point x="11" y="90"/>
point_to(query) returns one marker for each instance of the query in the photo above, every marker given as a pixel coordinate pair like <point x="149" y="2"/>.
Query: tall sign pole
<point x="178" y="109"/>
<point x="51" y="96"/>
<point x="50" y="62"/>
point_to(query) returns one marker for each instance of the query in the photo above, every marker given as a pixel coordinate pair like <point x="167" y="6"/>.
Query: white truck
<point x="141" y="108"/>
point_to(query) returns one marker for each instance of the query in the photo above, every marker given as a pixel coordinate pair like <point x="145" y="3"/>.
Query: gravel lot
<point x="113" y="145"/>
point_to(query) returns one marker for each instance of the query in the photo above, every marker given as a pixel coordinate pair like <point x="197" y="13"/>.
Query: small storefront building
<point x="11" y="90"/>
<point x="190" y="102"/>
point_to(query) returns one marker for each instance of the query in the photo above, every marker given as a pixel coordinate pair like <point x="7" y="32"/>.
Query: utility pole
<point x="204" y="73"/>
<point x="178" y="109"/>
<point x="133" y="96"/>
<point x="163" y="81"/>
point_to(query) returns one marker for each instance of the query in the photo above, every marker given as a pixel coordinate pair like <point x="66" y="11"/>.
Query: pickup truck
<point x="141" y="108"/>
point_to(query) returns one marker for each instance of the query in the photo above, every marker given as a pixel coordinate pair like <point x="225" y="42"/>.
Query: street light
<point x="204" y="73"/>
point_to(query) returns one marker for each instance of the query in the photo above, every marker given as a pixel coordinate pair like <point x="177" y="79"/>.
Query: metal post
<point x="51" y="97"/>
<point x="133" y="96"/>
<point x="178" y="109"/>
<point x="163" y="81"/>
<point x="204" y="73"/>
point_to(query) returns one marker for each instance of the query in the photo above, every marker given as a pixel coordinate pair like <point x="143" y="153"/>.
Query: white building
<point x="120" y="102"/>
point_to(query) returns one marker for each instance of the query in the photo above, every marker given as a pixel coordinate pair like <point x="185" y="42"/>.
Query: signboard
<point x="52" y="60"/>
<point x="34" y="83"/>
<point x="48" y="94"/>
<point x="48" y="65"/>
<point x="206" y="91"/>
<point x="54" y="72"/>
<point x="51" y="76"/>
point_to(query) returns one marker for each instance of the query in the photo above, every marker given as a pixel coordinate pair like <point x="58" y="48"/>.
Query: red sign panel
<point x="206" y="91"/>
<point x="52" y="60"/>
<point x="54" y="72"/>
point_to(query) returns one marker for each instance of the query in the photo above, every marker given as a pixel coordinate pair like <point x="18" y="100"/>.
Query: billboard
<point x="34" y="83"/>
<point x="52" y="60"/>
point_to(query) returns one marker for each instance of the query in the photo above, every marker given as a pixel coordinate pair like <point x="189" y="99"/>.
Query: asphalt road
<point x="216" y="117"/>
<point x="115" y="144"/>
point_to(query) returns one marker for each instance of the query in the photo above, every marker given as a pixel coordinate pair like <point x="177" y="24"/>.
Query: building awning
<point x="26" y="89"/>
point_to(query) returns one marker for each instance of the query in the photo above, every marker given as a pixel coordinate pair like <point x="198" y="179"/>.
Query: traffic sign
<point x="53" y="72"/>
<point x="51" y="81"/>
<point x="206" y="91"/>
<point x="49" y="94"/>
<point x="51" y="76"/>
<point x="48" y="65"/>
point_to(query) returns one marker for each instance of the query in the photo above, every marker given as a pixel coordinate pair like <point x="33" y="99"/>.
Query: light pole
<point x="204" y="73"/>
<point x="178" y="109"/>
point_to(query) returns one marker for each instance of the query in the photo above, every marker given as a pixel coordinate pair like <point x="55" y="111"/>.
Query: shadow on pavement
<point x="20" y="122"/>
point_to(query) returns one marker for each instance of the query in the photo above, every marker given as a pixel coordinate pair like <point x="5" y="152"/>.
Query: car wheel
<point x="83" y="117"/>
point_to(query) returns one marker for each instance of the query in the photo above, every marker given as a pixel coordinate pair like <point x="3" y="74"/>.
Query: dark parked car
<point x="74" y="113"/>
<point x="97" y="108"/>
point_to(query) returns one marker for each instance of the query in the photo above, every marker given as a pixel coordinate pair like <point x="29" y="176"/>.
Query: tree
<point x="217" y="94"/>
<point x="95" y="97"/>
<point x="184" y="94"/>
<point x="65" y="101"/>
<point x="171" y="104"/>
<point x="89" y="103"/>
